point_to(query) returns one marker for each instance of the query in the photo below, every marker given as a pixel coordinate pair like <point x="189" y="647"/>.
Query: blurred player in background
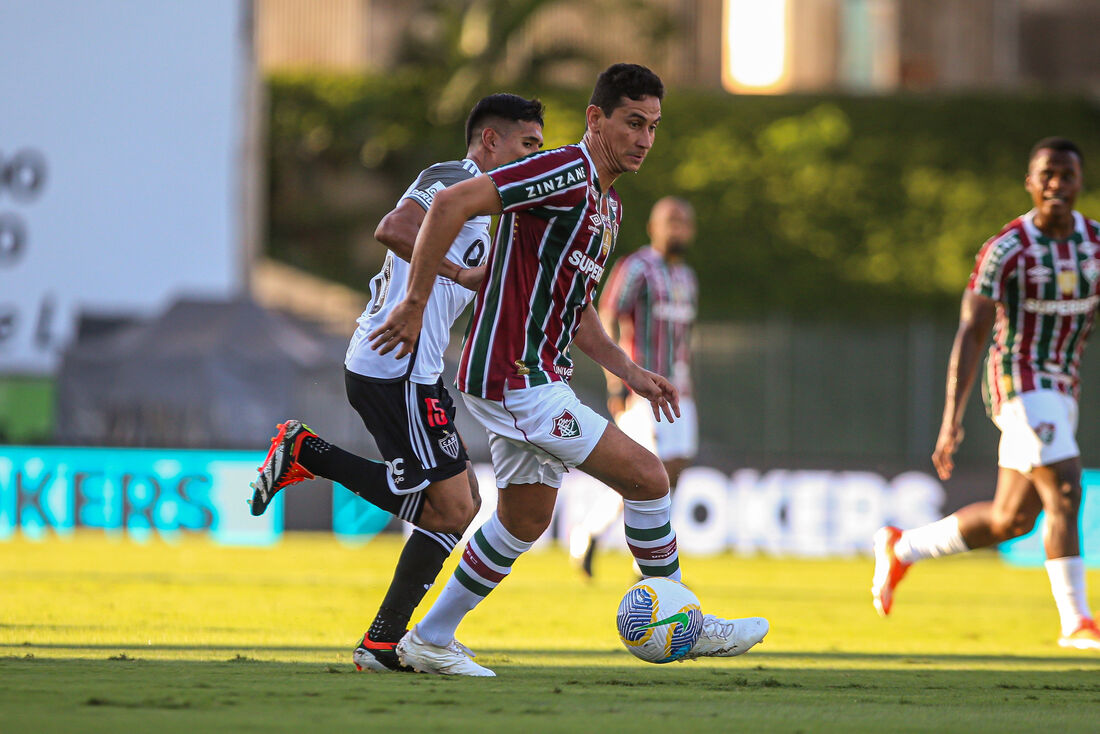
<point x="649" y="306"/>
<point x="560" y="218"/>
<point x="1036" y="285"/>
<point x="426" y="479"/>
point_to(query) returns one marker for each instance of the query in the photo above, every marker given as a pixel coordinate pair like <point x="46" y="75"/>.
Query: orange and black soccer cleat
<point x="280" y="468"/>
<point x="1085" y="637"/>
<point x="379" y="657"/>
<point x="889" y="571"/>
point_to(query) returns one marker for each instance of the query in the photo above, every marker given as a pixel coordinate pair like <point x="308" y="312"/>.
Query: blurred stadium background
<point x="189" y="191"/>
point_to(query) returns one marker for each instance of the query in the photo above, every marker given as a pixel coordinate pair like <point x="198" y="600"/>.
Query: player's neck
<point x="1056" y="228"/>
<point x="672" y="258"/>
<point x="606" y="171"/>
<point x="477" y="155"/>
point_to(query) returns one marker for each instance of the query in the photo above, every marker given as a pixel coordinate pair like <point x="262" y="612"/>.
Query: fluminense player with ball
<point x="559" y="220"/>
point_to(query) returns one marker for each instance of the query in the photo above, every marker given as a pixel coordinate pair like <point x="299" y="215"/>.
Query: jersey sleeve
<point x="544" y="182"/>
<point x="434" y="179"/>
<point x="624" y="285"/>
<point x="995" y="264"/>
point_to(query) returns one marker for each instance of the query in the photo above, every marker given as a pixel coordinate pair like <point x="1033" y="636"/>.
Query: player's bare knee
<point x="1008" y="525"/>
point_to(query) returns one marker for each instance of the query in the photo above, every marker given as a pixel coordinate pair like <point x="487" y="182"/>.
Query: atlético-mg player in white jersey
<point x="426" y="479"/>
<point x="1036" y="285"/>
<point x="559" y="220"/>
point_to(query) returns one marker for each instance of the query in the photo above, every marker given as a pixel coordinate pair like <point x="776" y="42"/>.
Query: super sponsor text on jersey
<point x="1047" y="294"/>
<point x="552" y="245"/>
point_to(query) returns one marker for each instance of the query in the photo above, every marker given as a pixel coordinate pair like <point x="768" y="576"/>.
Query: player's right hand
<point x="399" y="331"/>
<point x="951" y="435"/>
<point x="660" y="393"/>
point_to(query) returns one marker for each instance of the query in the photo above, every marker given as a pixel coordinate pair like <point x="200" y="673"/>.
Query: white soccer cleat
<point x="454" y="659"/>
<point x="726" y="638"/>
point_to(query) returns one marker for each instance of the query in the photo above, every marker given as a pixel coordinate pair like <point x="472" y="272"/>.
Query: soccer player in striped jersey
<point x="560" y="217"/>
<point x="649" y="304"/>
<point x="1036" y="286"/>
<point x="426" y="478"/>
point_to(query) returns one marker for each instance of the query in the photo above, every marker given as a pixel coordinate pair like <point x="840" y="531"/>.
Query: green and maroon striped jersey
<point x="554" y="238"/>
<point x="659" y="300"/>
<point x="1046" y="293"/>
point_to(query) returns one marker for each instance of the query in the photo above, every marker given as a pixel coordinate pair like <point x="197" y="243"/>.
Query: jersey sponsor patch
<point x="449" y="445"/>
<point x="397" y="472"/>
<point x="566" y="426"/>
<point x="427" y="196"/>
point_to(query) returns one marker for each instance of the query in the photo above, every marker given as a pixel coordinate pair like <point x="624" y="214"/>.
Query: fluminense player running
<point x="649" y="304"/>
<point x="426" y="478"/>
<point x="1036" y="285"/>
<point x="560" y="217"/>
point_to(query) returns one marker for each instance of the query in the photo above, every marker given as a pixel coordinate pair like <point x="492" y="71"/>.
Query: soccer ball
<point x="659" y="620"/>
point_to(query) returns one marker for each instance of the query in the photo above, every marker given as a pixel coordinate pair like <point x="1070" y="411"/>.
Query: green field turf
<point x="107" y="635"/>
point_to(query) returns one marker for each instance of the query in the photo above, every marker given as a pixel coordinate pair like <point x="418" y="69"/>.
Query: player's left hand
<point x="399" y="331"/>
<point x="660" y="393"/>
<point x="471" y="278"/>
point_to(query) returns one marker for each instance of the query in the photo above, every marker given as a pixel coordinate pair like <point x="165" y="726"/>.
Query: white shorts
<point x="1038" y="428"/>
<point x="536" y="434"/>
<point x="679" y="440"/>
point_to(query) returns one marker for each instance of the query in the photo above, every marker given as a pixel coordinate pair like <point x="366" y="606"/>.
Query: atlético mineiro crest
<point x="449" y="445"/>
<point x="565" y="426"/>
<point x="1045" y="432"/>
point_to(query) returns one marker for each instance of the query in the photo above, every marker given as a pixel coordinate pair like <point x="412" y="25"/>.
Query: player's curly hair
<point x="502" y="106"/>
<point x="1056" y="143"/>
<point x="625" y="80"/>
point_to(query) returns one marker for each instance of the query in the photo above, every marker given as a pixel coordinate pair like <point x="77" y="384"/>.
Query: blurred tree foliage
<point x="813" y="206"/>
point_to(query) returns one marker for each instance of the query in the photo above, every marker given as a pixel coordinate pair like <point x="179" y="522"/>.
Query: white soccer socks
<point x="1067" y="584"/>
<point x="487" y="559"/>
<point x="940" y="538"/>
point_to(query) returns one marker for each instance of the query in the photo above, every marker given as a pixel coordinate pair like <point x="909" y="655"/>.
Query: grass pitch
<point x="101" y="634"/>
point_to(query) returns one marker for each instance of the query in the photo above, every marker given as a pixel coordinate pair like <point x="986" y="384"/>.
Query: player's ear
<point x="593" y="116"/>
<point x="489" y="138"/>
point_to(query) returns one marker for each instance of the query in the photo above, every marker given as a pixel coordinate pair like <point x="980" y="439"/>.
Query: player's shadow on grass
<point x="756" y="658"/>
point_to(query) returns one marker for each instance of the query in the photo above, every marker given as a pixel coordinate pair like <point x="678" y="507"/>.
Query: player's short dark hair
<point x="502" y="106"/>
<point x="625" y="80"/>
<point x="1056" y="143"/>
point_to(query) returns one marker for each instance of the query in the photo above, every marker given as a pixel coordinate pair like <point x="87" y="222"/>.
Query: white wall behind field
<point x="134" y="113"/>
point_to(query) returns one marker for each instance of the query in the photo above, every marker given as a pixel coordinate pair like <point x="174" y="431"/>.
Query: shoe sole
<point x="421" y="667"/>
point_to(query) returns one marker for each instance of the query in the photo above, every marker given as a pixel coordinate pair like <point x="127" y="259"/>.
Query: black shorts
<point x="414" y="427"/>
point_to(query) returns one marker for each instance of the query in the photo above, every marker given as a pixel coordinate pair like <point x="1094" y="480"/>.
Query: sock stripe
<point x="478" y="567"/>
<point x="448" y="541"/>
<point x="490" y="552"/>
<point x="649" y="533"/>
<point x="472" y="586"/>
<point x="658" y="553"/>
<point x="648" y="570"/>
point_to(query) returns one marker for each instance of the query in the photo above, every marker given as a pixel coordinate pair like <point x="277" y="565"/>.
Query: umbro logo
<point x="1039" y="274"/>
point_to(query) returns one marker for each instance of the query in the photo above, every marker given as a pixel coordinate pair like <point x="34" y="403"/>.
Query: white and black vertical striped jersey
<point x="447" y="301"/>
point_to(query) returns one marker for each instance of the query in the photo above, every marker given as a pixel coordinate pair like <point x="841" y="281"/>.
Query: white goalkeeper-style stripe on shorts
<point x="679" y="440"/>
<point x="1038" y="428"/>
<point x="536" y="434"/>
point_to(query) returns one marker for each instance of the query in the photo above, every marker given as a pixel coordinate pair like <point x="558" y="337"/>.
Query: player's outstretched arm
<point x="593" y="340"/>
<point x="450" y="209"/>
<point x="398" y="230"/>
<point x="975" y="322"/>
